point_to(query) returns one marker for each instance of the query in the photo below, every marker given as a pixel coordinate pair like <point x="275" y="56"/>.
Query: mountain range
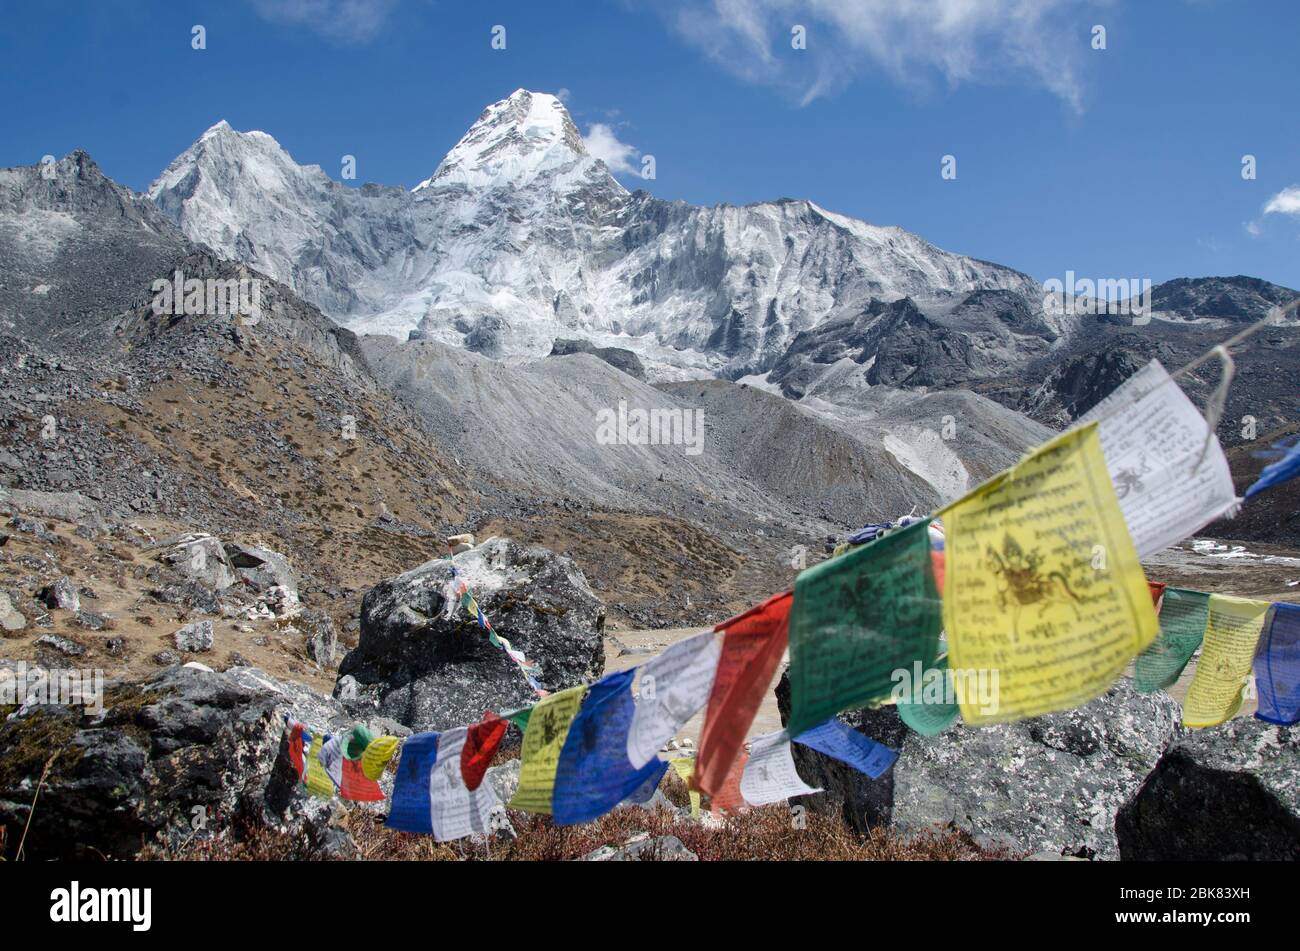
<point x="520" y="289"/>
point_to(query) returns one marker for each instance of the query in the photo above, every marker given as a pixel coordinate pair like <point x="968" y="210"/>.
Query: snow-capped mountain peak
<point x="514" y="142"/>
<point x="521" y="236"/>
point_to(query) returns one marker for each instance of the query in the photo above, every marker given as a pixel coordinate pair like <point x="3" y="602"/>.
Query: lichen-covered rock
<point x="321" y="637"/>
<point x="188" y="753"/>
<point x="1227" y="792"/>
<point x="62" y="594"/>
<point x="11" y="619"/>
<point x="423" y="662"/>
<point x="195" y="638"/>
<point x="200" y="558"/>
<point x="64" y="645"/>
<point x="262" y="568"/>
<point x="1048" y="784"/>
<point x="644" y="848"/>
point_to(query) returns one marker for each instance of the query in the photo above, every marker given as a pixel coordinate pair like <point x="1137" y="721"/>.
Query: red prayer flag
<point x="729" y="798"/>
<point x="1157" y="592"/>
<point x="937" y="560"/>
<point x="752" y="646"/>
<point x="481" y="742"/>
<point x="355" y="786"/>
<point x="296" y="750"/>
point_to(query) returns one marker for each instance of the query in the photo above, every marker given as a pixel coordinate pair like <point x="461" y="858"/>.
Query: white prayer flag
<point x="331" y="758"/>
<point x="770" y="775"/>
<point x="1152" y="436"/>
<point x="673" y="688"/>
<point x="456" y="811"/>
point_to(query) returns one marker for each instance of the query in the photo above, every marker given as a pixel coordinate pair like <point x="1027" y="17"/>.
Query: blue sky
<point x="1116" y="162"/>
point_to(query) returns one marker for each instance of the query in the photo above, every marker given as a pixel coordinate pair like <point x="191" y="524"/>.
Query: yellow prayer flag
<point x="684" y="766"/>
<point x="315" y="778"/>
<point x="548" y="726"/>
<point x="1231" y="635"/>
<point x="376" y="756"/>
<point x="1044" y="600"/>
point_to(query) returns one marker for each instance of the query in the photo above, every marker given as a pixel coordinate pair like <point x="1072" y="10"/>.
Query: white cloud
<point x="1042" y="42"/>
<point x="348" y="20"/>
<point x="602" y="141"/>
<point x="1285" y="202"/>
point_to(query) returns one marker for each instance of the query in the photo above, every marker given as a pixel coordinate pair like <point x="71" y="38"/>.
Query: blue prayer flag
<point x="847" y="745"/>
<point x="645" y="792"/>
<point x="1286" y="467"/>
<point x="412" y="810"/>
<point x="594" y="774"/>
<point x="1277" y="666"/>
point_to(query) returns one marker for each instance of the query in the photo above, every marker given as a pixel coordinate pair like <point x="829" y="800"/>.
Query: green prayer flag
<point x="931" y="705"/>
<point x="520" y="717"/>
<point x="858" y="618"/>
<point x="357" y="742"/>
<point x="1183" y="616"/>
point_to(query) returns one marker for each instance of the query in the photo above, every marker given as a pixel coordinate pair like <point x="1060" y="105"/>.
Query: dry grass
<point x="765" y="834"/>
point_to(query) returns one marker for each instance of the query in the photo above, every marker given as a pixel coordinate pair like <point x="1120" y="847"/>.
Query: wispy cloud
<point x="356" y="21"/>
<point x="603" y="142"/>
<point x="1041" y="42"/>
<point x="1286" y="202"/>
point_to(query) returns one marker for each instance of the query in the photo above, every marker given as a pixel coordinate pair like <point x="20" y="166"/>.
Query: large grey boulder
<point x="61" y="594"/>
<point x="199" y="558"/>
<point x="423" y="662"/>
<point x="320" y="637"/>
<point x="64" y="506"/>
<point x="1048" y="784"/>
<point x="11" y="619"/>
<point x="261" y="568"/>
<point x="188" y="753"/>
<point x="1226" y="792"/>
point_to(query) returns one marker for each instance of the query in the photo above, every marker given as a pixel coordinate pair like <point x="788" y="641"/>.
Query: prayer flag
<point x="548" y="726"/>
<point x="1043" y="584"/>
<point x="684" y="767"/>
<point x="481" y="742"/>
<point x="840" y="741"/>
<point x="299" y="744"/>
<point x="654" y="774"/>
<point x="752" y="646"/>
<point x="1223" y="669"/>
<point x="376" y="756"/>
<point x="858" y="618"/>
<point x="411" y="809"/>
<point x="1169" y="473"/>
<point x="316" y="779"/>
<point x="1277" y="667"/>
<point x="770" y="776"/>
<point x="594" y="774"/>
<point x="341" y="757"/>
<point x="1286" y="467"/>
<point x="1183" y="615"/>
<point x="455" y="810"/>
<point x="672" y="689"/>
<point x="930" y="705"/>
<point x="728" y="799"/>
